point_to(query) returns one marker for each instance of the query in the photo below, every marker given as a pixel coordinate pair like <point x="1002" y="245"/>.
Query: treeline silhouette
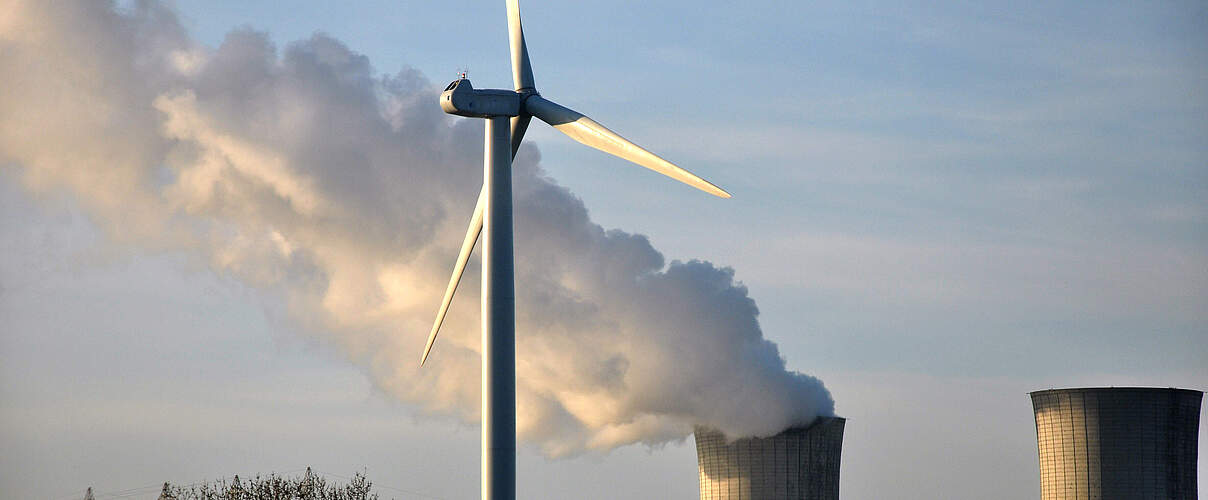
<point x="273" y="487"/>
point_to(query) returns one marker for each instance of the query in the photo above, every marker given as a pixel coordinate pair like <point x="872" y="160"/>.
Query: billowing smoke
<point x="344" y="197"/>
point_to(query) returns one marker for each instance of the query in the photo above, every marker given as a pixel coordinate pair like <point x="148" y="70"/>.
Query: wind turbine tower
<point x="507" y="114"/>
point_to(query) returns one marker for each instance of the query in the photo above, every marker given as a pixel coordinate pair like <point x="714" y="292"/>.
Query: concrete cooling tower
<point x="1125" y="442"/>
<point x="799" y="463"/>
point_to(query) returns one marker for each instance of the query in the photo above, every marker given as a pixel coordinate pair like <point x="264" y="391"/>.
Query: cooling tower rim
<point x="819" y="420"/>
<point x="1119" y="389"/>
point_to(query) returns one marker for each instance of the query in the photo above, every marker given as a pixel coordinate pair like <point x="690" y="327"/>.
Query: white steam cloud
<point x="344" y="196"/>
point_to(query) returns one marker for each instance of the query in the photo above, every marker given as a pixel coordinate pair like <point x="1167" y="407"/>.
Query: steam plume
<point x="344" y="195"/>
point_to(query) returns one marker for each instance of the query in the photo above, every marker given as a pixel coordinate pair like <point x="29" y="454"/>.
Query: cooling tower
<point x="1125" y="442"/>
<point x="799" y="463"/>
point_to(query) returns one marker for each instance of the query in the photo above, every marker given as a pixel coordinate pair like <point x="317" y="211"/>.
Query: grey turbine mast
<point x="507" y="114"/>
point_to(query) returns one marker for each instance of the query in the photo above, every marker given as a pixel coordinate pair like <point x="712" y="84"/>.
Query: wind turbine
<point x="507" y="114"/>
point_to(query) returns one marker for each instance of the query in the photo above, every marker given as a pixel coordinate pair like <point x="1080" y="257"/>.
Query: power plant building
<point x="799" y="463"/>
<point x="1125" y="442"/>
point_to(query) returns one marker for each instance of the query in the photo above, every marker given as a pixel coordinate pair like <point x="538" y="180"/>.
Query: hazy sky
<point x="936" y="210"/>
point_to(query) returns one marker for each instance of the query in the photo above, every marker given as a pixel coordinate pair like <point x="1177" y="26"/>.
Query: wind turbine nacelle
<point x="462" y="99"/>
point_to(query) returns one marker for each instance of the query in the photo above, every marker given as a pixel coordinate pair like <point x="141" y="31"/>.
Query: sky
<point x="936" y="210"/>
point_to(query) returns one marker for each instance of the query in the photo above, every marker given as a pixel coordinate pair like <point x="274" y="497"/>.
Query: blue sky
<point x="936" y="208"/>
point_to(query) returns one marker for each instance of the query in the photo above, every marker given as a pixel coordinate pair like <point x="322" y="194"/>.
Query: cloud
<point x="343" y="196"/>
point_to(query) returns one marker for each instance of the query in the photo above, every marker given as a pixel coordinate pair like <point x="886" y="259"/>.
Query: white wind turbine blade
<point x="522" y="72"/>
<point x="467" y="247"/>
<point x="519" y="125"/>
<point x="590" y="133"/>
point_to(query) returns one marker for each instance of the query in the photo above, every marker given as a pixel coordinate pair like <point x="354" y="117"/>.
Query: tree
<point x="273" y="487"/>
<point x="166" y="493"/>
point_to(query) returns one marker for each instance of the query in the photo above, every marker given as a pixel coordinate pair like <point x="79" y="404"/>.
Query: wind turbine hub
<point x="462" y="99"/>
